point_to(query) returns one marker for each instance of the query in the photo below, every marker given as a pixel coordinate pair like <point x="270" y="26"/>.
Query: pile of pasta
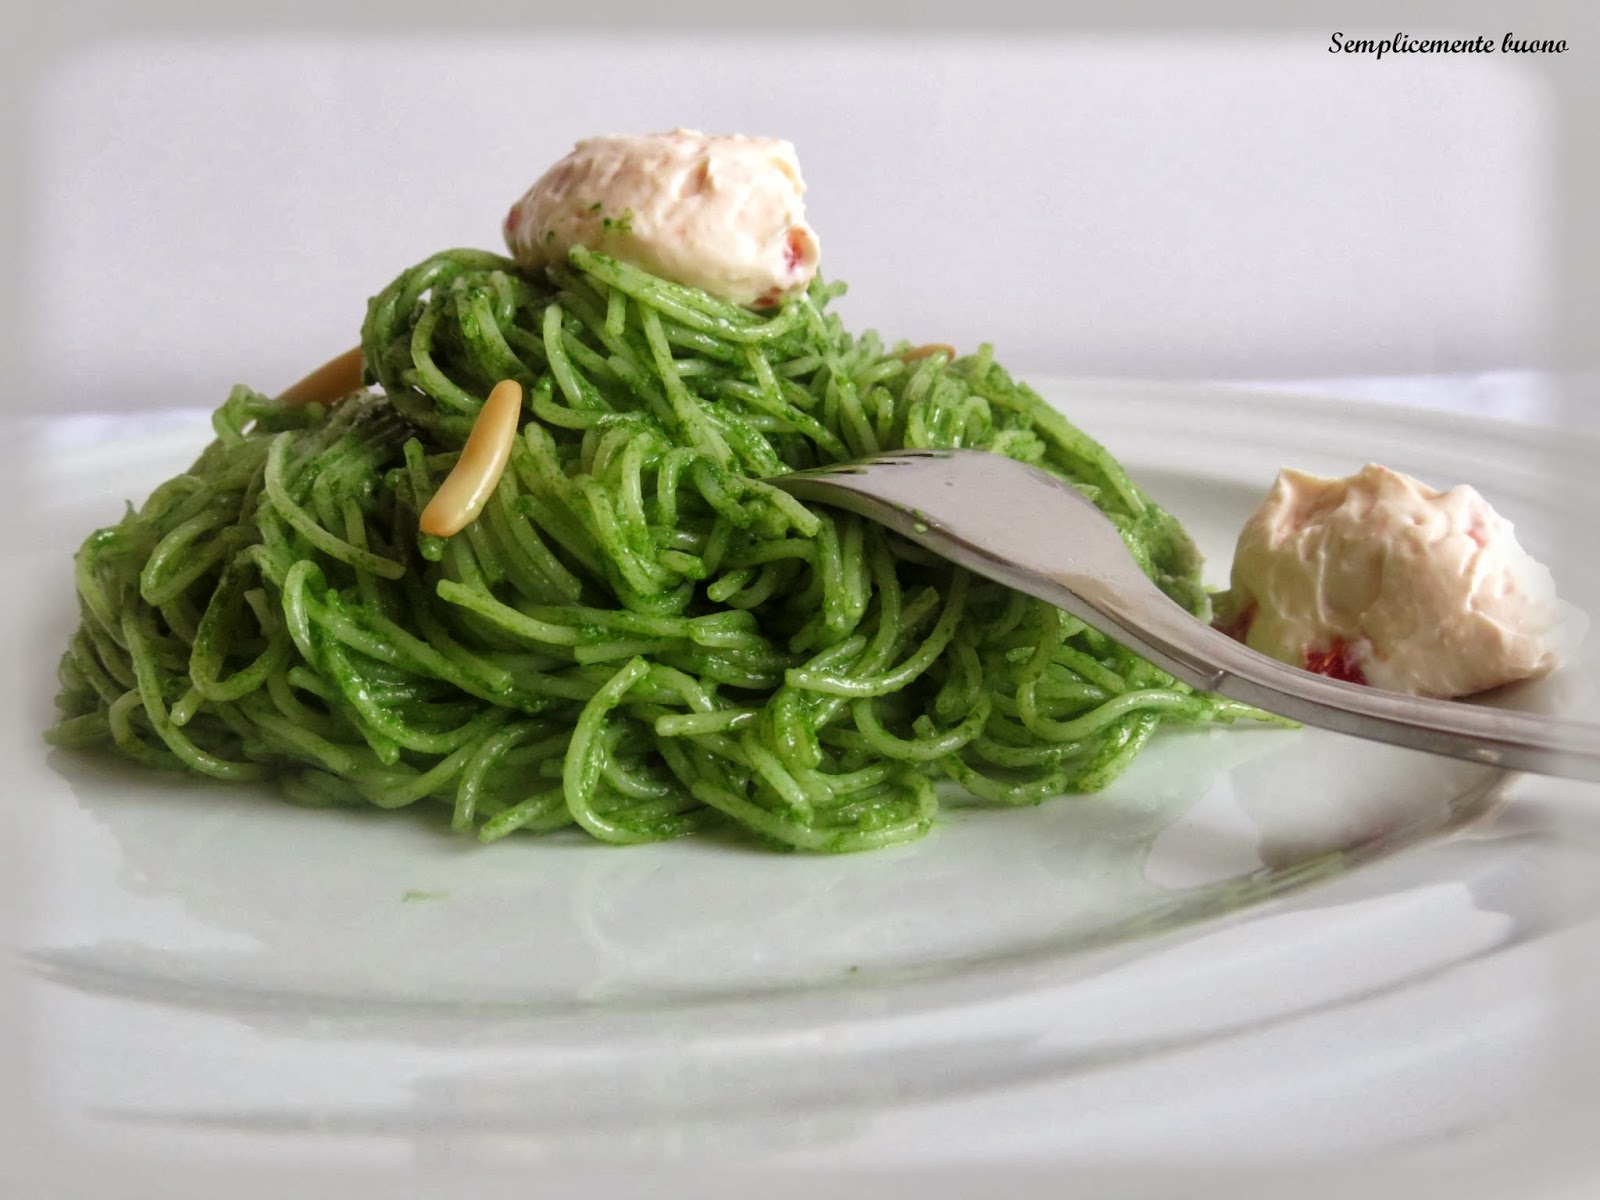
<point x="625" y="627"/>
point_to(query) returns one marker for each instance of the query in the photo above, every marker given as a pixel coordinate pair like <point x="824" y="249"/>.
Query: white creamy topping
<point x="721" y="213"/>
<point x="1381" y="578"/>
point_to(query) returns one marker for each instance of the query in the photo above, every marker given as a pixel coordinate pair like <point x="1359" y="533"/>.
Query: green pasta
<point x="639" y="636"/>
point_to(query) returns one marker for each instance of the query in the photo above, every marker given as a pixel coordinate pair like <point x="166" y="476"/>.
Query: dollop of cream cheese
<point x="1381" y="579"/>
<point x="723" y="213"/>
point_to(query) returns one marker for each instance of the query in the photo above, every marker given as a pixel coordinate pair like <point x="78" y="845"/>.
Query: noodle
<point x="636" y="635"/>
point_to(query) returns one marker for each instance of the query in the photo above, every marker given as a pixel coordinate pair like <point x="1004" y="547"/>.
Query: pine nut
<point x="332" y="381"/>
<point x="477" y="472"/>
<point x="930" y="348"/>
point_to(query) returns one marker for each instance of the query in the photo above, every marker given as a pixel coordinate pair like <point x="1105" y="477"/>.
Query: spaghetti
<point x="635" y="633"/>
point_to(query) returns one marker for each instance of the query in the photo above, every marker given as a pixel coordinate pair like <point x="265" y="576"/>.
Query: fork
<point x="1024" y="528"/>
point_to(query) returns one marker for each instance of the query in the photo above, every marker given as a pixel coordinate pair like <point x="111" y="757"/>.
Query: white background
<point x="208" y="212"/>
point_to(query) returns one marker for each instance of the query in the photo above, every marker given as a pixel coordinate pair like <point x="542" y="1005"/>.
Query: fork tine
<point x="889" y="458"/>
<point x="894" y="457"/>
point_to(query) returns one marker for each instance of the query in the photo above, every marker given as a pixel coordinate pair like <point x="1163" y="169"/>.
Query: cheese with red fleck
<point x="1381" y="579"/>
<point x="722" y="213"/>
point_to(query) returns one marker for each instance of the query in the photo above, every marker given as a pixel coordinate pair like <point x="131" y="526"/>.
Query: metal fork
<point x="1014" y="523"/>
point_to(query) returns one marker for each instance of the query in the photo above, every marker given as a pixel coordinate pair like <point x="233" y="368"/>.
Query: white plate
<point x="1252" y="951"/>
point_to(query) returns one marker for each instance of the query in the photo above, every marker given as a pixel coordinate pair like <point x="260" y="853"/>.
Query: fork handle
<point x="1211" y="661"/>
<point x="1146" y="620"/>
